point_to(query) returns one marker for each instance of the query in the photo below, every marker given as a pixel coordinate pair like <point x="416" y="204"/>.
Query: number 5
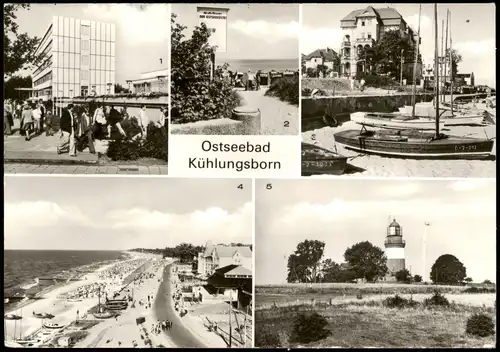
<point x="269" y="186"/>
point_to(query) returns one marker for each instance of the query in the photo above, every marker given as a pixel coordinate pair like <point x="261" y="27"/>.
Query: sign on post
<point x="215" y="19"/>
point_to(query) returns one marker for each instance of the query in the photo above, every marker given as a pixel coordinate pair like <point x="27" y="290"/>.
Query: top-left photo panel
<point x="86" y="88"/>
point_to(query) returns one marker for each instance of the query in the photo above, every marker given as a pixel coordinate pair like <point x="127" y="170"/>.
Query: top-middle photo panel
<point x="235" y="69"/>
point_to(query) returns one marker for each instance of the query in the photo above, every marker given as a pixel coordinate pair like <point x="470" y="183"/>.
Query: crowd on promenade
<point x="121" y="270"/>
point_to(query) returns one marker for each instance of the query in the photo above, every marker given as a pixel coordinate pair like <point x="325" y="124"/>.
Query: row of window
<point x="43" y="79"/>
<point x="72" y="76"/>
<point x="74" y="28"/>
<point x="65" y="60"/>
<point x="73" y="90"/>
<point x="75" y="45"/>
<point x="43" y="66"/>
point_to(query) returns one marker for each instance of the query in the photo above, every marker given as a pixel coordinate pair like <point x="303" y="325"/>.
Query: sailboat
<point x="417" y="144"/>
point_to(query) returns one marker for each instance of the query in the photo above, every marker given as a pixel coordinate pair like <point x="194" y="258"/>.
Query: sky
<point x="119" y="213"/>
<point x="142" y="31"/>
<point x="254" y="31"/>
<point x="344" y="212"/>
<point x="475" y="40"/>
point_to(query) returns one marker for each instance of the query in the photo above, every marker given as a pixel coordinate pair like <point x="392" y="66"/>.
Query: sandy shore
<point x="65" y="312"/>
<point x="378" y="166"/>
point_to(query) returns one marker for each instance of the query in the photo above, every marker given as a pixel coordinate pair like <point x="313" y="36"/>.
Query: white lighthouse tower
<point x="395" y="248"/>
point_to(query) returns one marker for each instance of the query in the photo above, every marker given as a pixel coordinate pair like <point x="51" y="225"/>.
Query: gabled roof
<point x="229" y="251"/>
<point x="328" y="54"/>
<point x="237" y="270"/>
<point x="384" y="14"/>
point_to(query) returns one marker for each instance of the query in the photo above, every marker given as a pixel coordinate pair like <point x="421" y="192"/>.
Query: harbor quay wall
<point x="314" y="109"/>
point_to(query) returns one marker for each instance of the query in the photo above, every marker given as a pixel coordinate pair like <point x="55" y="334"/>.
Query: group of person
<point x="34" y="119"/>
<point x="161" y="326"/>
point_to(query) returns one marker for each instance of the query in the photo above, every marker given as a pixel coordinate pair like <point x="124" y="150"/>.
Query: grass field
<point x="364" y="321"/>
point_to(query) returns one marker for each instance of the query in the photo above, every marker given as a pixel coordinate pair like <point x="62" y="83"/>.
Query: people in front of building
<point x="99" y="120"/>
<point x="362" y="84"/>
<point x="85" y="130"/>
<point x="7" y="124"/>
<point x="27" y="121"/>
<point x="245" y="80"/>
<point x="49" y="131"/>
<point x="68" y="126"/>
<point x="143" y="121"/>
<point x="163" y="121"/>
<point x="114" y="119"/>
<point x="352" y="82"/>
<point x="42" y="114"/>
<point x="257" y="80"/>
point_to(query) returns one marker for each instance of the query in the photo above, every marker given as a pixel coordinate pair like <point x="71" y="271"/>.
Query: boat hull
<point x="449" y="148"/>
<point x="391" y="121"/>
<point x="446" y="117"/>
<point x="317" y="160"/>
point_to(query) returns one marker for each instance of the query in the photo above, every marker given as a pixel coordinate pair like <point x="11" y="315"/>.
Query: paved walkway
<point x="46" y="168"/>
<point x="274" y="113"/>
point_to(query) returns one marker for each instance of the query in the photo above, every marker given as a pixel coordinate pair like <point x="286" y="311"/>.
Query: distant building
<point x="326" y="57"/>
<point x="465" y="79"/>
<point x="78" y="58"/>
<point x="152" y="81"/>
<point x="395" y="249"/>
<point x="218" y="256"/>
<point x="362" y="29"/>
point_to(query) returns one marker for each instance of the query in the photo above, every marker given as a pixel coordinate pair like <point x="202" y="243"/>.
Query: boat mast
<point x="445" y="57"/>
<point x="443" y="54"/>
<point x="451" y="66"/>
<point x="436" y="67"/>
<point x="415" y="66"/>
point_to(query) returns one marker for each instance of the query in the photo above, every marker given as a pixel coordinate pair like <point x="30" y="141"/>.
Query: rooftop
<point x="327" y="53"/>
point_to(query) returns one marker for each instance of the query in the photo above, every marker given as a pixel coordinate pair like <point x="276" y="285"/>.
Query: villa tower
<point x="395" y="248"/>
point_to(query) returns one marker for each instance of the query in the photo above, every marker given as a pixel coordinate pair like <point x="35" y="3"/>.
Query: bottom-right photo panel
<point x="375" y="263"/>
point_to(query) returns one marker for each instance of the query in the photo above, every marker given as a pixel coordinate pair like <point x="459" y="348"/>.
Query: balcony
<point x="365" y="41"/>
<point x="346" y="44"/>
<point x="346" y="56"/>
<point x="391" y="241"/>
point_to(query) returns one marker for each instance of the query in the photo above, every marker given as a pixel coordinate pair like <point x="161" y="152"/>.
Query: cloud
<point x="319" y="38"/>
<point x="136" y="23"/>
<point x="467" y="185"/>
<point x="485" y="46"/>
<point x="268" y="31"/>
<point x="400" y="189"/>
<point x="42" y="214"/>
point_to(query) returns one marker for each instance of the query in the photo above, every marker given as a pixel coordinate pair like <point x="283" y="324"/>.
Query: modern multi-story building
<point x="78" y="58"/>
<point x="362" y="29"/>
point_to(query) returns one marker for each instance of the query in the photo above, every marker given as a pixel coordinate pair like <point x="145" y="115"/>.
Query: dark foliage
<point x="267" y="339"/>
<point x="285" y="89"/>
<point x="397" y="301"/>
<point x="309" y="328"/>
<point x="480" y="325"/>
<point x="437" y="299"/>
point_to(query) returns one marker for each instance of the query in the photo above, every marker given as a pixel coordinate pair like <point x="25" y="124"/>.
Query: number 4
<point x="240" y="186"/>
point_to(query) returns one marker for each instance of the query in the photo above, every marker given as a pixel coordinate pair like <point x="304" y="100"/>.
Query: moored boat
<point x="393" y="121"/>
<point x="12" y="317"/>
<point x="53" y="326"/>
<point x="447" y="118"/>
<point x="318" y="160"/>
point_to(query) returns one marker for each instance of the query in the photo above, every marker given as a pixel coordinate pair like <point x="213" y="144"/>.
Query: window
<point x="369" y="35"/>
<point x="85" y="59"/>
<point x="85" y="45"/>
<point x="362" y="23"/>
<point x="84" y="75"/>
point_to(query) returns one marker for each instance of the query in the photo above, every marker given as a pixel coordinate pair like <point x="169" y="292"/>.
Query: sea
<point x="264" y="65"/>
<point x="22" y="268"/>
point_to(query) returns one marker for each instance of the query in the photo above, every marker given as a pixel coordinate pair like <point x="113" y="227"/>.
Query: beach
<point x="366" y="165"/>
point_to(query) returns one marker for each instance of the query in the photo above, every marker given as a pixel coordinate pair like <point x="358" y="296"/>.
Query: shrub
<point x="437" y="299"/>
<point x="309" y="328"/>
<point x="194" y="96"/>
<point x="417" y="278"/>
<point x="480" y="325"/>
<point x="359" y="295"/>
<point x="268" y="339"/>
<point x="475" y="289"/>
<point x="285" y="89"/>
<point x="397" y="301"/>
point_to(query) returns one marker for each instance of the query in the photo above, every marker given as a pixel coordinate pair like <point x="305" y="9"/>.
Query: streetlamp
<point x="424" y="244"/>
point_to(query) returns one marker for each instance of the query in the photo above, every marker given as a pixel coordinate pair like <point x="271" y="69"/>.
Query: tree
<point x="456" y="58"/>
<point x="448" y="270"/>
<point x="16" y="82"/>
<point x="417" y="278"/>
<point x="18" y="48"/>
<point x="387" y="53"/>
<point x="194" y="96"/>
<point x="403" y="275"/>
<point x="366" y="260"/>
<point x="303" y="264"/>
<point x="120" y="89"/>
<point x="333" y="272"/>
<point x="468" y="280"/>
<point x="311" y="72"/>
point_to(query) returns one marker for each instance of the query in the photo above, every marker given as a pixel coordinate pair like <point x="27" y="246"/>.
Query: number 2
<point x="287" y="124"/>
<point x="240" y="186"/>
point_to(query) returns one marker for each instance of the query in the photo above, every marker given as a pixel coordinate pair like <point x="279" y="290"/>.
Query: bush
<point x="155" y="145"/>
<point x="373" y="80"/>
<point x="267" y="339"/>
<point x="309" y="328"/>
<point x="480" y="325"/>
<point x="285" y="89"/>
<point x="399" y="302"/>
<point x="475" y="289"/>
<point x="437" y="299"/>
<point x="194" y="96"/>
<point x="359" y="295"/>
<point x="417" y="278"/>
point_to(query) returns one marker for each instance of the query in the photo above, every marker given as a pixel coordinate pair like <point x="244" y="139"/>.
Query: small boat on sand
<point x="43" y="315"/>
<point x="318" y="160"/>
<point x="104" y="315"/>
<point x="53" y="326"/>
<point x="394" y="121"/>
<point x="75" y="299"/>
<point x="12" y="317"/>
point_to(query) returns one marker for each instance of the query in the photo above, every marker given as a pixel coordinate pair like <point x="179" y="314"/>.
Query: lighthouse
<point x="395" y="248"/>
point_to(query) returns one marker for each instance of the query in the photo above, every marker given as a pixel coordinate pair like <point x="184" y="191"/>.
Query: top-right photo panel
<point x="398" y="90"/>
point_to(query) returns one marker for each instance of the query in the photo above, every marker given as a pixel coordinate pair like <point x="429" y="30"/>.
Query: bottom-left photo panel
<point x="128" y="262"/>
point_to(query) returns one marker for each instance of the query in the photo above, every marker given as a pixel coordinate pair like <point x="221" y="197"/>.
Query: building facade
<point x="395" y="249"/>
<point x="219" y="256"/>
<point x="152" y="81"/>
<point x="77" y="59"/>
<point x="318" y="57"/>
<point x="363" y="29"/>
